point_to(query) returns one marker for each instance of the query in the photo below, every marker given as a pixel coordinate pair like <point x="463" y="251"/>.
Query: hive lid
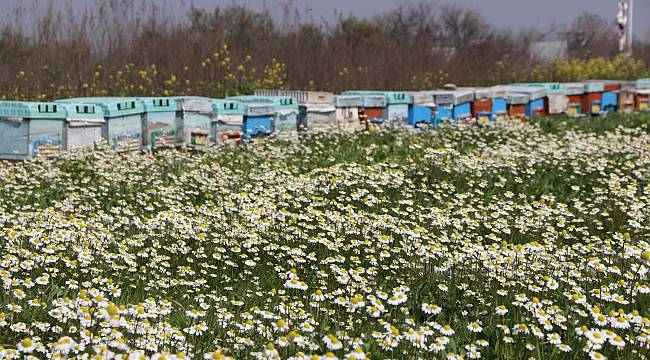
<point x="159" y="104"/>
<point x="341" y="101"/>
<point x="533" y="92"/>
<point x="227" y="107"/>
<point x="112" y="106"/>
<point x="574" y="88"/>
<point x="76" y="112"/>
<point x="19" y="110"/>
<point x="303" y="97"/>
<point x="194" y="104"/>
<point x="643" y="83"/>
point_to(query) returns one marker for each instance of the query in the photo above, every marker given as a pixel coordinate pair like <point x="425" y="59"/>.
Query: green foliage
<point x="507" y="241"/>
<point x="618" y="68"/>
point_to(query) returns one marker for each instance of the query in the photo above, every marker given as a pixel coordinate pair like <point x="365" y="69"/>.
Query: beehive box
<point x="591" y="99"/>
<point x="641" y="97"/>
<point x="537" y="102"/>
<point x="483" y="105"/>
<point x="29" y="129"/>
<point x="574" y="93"/>
<point x="347" y="112"/>
<point x="285" y="119"/>
<point x="499" y="103"/>
<point x="609" y="101"/>
<point x="159" y="123"/>
<point x="317" y="117"/>
<point x="372" y="110"/>
<point x="454" y="104"/>
<point x="642" y="100"/>
<point x="83" y="126"/>
<point x="380" y="106"/>
<point x="123" y="120"/>
<point x="626" y="96"/>
<point x="316" y="111"/>
<point x="193" y="121"/>
<point x="228" y="121"/>
<point x="517" y="103"/>
<point x="557" y="101"/>
<point x="303" y="97"/>
<point x="421" y="109"/>
<point x="259" y="117"/>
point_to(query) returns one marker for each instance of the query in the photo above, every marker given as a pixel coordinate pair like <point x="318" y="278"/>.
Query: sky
<point x="512" y="14"/>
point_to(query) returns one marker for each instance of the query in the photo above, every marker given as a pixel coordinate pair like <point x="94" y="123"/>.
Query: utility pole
<point x="624" y="19"/>
<point x="630" y="41"/>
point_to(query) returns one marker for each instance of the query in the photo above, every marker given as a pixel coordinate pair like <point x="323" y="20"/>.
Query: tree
<point x="462" y="27"/>
<point x="591" y="35"/>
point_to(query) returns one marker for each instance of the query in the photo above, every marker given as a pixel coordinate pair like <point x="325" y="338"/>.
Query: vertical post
<point x="630" y="27"/>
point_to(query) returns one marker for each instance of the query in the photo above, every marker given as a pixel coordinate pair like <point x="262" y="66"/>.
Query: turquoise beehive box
<point x="123" y="116"/>
<point x="29" y="129"/>
<point x="159" y="125"/>
<point x="83" y="126"/>
<point x="228" y="122"/>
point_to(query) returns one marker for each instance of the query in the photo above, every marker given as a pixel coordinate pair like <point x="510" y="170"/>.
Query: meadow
<point x="513" y="241"/>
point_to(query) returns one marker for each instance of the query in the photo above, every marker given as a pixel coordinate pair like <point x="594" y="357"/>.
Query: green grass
<point x="467" y="219"/>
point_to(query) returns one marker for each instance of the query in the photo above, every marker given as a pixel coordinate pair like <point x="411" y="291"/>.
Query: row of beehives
<point x="29" y="129"/>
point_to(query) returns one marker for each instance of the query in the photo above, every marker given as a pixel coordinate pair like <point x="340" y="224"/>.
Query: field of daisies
<point x="515" y="241"/>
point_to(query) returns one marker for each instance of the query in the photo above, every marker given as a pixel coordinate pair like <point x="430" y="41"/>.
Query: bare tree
<point x="462" y="27"/>
<point x="591" y="35"/>
<point x="413" y="21"/>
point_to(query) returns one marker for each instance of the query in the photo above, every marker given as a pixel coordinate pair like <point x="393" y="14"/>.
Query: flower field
<point x="513" y="241"/>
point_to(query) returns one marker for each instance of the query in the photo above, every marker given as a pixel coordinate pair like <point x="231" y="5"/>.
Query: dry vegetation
<point x="129" y="47"/>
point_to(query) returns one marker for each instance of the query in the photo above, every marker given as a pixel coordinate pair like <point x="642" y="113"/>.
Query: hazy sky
<point x="501" y="13"/>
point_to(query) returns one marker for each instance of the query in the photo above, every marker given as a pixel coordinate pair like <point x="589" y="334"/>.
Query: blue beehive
<point x="316" y="108"/>
<point x="259" y="116"/>
<point x="193" y="121"/>
<point x="610" y="95"/>
<point x="123" y="126"/>
<point x="228" y="122"/>
<point x="83" y="126"/>
<point x="499" y="103"/>
<point x="610" y="101"/>
<point x="284" y="122"/>
<point x="159" y="122"/>
<point x="453" y="105"/>
<point x="29" y="129"/>
<point x="421" y="109"/>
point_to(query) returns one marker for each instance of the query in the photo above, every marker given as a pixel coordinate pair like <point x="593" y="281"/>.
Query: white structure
<point x="549" y="51"/>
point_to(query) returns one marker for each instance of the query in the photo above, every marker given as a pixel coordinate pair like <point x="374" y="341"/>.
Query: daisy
<point x="501" y="310"/>
<point x="447" y="330"/>
<point x="474" y="327"/>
